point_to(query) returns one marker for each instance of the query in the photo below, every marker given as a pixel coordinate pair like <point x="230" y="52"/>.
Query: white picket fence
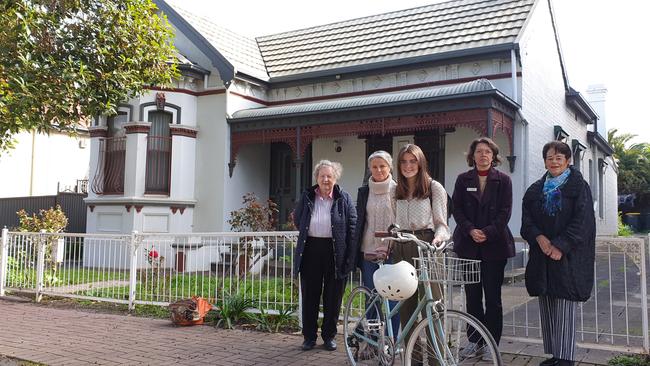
<point x="159" y="269"/>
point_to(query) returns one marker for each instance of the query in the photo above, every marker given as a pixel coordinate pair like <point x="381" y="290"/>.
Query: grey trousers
<point x="558" y="323"/>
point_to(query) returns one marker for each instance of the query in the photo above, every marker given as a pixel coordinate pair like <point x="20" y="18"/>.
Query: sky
<point x="602" y="41"/>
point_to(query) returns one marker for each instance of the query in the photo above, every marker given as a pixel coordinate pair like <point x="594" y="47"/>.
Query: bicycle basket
<point x="448" y="269"/>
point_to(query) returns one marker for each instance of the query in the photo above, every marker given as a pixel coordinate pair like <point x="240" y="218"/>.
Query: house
<point x="254" y="115"/>
<point x="31" y="168"/>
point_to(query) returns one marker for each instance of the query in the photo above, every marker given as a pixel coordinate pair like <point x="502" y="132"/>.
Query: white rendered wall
<point x="352" y="157"/>
<point x="212" y="156"/>
<point x="250" y="175"/>
<point x="56" y="158"/>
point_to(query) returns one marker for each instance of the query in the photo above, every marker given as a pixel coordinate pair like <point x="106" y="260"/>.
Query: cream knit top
<point x="379" y="213"/>
<point x="418" y="214"/>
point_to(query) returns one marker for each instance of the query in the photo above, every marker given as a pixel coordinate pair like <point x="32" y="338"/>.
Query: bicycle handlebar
<point x="402" y="237"/>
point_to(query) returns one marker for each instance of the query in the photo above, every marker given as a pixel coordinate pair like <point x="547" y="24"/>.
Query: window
<point x="559" y="134"/>
<point x="159" y="149"/>
<point x="602" y="166"/>
<point x="578" y="151"/>
<point x="109" y="178"/>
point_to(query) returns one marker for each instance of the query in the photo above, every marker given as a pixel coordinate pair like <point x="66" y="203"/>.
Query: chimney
<point x="597" y="96"/>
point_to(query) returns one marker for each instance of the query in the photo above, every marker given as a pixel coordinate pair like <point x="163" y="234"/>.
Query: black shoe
<point x="564" y="363"/>
<point x="330" y="345"/>
<point x="549" y="362"/>
<point x="308" y="344"/>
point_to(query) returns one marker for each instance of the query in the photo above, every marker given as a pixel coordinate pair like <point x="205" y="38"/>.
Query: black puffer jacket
<point x="572" y="231"/>
<point x="344" y="219"/>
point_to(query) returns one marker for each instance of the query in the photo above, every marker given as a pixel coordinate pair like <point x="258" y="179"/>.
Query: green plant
<point x="52" y="220"/>
<point x="232" y="309"/>
<point x="623" y="230"/>
<point x="284" y="319"/>
<point x="630" y="360"/>
<point x="254" y="216"/>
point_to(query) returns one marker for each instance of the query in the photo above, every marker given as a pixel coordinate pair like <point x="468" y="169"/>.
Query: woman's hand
<point x="544" y="244"/>
<point x="478" y="235"/>
<point x="436" y="242"/>
<point x="556" y="254"/>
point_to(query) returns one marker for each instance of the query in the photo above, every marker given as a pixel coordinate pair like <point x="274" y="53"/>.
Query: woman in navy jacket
<point x="482" y="207"/>
<point x="325" y="252"/>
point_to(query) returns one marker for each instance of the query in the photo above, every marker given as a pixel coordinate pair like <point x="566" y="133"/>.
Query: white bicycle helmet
<point x="396" y="281"/>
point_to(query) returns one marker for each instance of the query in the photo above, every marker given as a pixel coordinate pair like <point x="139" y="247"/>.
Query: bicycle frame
<point x="427" y="302"/>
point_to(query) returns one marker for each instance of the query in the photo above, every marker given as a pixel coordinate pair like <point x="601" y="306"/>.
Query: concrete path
<point x="73" y="337"/>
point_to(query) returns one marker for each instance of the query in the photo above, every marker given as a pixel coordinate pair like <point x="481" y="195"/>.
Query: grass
<point x="176" y="287"/>
<point x="630" y="360"/>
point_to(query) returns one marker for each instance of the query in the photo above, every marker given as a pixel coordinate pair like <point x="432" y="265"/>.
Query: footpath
<point x="53" y="336"/>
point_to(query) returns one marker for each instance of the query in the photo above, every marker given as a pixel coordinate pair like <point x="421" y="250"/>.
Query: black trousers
<point x="492" y="314"/>
<point x="317" y="278"/>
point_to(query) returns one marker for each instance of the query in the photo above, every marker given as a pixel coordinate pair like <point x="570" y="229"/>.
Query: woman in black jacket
<point x="559" y="225"/>
<point x="482" y="207"/>
<point x="325" y="252"/>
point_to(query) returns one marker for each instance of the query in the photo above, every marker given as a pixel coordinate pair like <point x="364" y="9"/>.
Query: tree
<point x="64" y="61"/>
<point x="633" y="166"/>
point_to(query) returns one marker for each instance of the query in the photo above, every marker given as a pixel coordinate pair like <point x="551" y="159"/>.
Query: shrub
<point x="630" y="360"/>
<point x="623" y="230"/>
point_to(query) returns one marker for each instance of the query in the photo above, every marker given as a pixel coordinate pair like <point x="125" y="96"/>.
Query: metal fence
<point x="71" y="203"/>
<point x="162" y="268"/>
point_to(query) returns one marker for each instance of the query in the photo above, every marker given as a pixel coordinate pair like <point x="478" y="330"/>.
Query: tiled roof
<point x="241" y="51"/>
<point x="456" y="91"/>
<point x="400" y="35"/>
<point x="412" y="35"/>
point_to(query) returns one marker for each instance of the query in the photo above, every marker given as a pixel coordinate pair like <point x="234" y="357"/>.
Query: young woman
<point x="559" y="224"/>
<point x="482" y="207"/>
<point x="420" y="209"/>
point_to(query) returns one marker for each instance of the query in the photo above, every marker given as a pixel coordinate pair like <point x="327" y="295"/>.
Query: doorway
<point x="282" y="187"/>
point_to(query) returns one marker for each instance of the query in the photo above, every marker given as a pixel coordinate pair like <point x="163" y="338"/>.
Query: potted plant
<point x="254" y="216"/>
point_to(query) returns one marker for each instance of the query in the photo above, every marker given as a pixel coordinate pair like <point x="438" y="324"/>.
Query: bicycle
<point x="444" y="337"/>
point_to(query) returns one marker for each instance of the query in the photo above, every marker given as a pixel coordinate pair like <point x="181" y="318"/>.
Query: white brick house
<point x="253" y="115"/>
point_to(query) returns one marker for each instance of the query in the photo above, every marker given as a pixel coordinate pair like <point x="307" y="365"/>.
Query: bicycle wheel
<point x="363" y="329"/>
<point x="466" y="342"/>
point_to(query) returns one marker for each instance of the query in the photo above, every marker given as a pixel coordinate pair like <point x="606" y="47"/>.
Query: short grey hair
<point x="382" y="155"/>
<point x="337" y="168"/>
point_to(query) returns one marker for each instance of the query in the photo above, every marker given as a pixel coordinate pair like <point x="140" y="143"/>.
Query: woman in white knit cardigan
<point x="375" y="212"/>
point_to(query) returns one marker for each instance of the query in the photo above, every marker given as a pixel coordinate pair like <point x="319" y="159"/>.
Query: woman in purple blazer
<point x="482" y="206"/>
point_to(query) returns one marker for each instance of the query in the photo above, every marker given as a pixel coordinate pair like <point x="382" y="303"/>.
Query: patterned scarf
<point x="552" y="202"/>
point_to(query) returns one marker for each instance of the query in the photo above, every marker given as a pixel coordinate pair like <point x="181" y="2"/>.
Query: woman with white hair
<point x="375" y="209"/>
<point x="325" y="252"/>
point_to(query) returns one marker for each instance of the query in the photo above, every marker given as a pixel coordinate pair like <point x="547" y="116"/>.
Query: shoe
<point x="564" y="363"/>
<point x="471" y="350"/>
<point x="308" y="344"/>
<point x="330" y="345"/>
<point x="549" y="362"/>
<point x="487" y="357"/>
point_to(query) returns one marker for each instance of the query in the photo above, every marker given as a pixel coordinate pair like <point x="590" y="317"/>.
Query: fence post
<point x="40" y="265"/>
<point x="133" y="273"/>
<point x="644" y="295"/>
<point x="4" y="252"/>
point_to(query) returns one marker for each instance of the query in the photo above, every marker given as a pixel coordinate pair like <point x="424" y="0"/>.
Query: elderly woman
<point x="325" y="252"/>
<point x="420" y="209"/>
<point x="559" y="225"/>
<point x="375" y="203"/>
<point x="482" y="207"/>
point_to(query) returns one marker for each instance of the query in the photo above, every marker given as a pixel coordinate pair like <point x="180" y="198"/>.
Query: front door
<point x="283" y="180"/>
